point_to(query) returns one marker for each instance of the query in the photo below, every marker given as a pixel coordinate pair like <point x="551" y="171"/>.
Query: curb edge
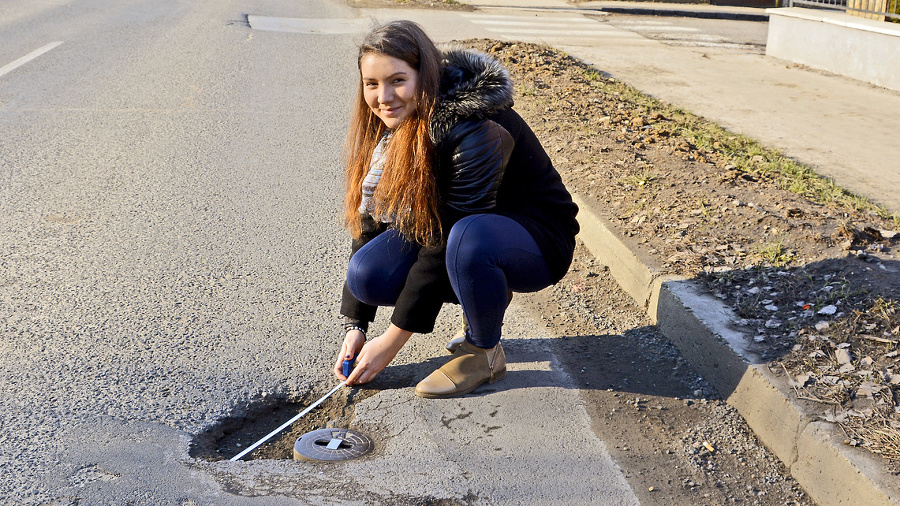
<point x="829" y="471"/>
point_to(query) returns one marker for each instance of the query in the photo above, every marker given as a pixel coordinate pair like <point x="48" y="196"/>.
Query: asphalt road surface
<point x="171" y="241"/>
<point x="170" y="192"/>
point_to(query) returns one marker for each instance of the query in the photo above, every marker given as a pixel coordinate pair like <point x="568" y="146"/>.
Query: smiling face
<point x="389" y="87"/>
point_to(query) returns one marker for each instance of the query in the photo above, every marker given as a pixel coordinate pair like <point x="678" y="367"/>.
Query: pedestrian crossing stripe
<point x="522" y="23"/>
<point x="520" y="18"/>
<point x="598" y="33"/>
<point x="512" y="26"/>
<point x="657" y="28"/>
<point x="642" y="22"/>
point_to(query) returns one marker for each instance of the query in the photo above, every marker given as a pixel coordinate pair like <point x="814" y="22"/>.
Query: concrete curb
<point x="702" y="329"/>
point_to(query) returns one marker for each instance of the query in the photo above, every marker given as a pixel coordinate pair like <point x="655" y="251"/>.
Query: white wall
<point x="860" y="48"/>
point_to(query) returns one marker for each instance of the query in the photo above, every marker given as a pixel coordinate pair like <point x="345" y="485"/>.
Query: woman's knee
<point x="471" y="240"/>
<point x="378" y="270"/>
<point x="361" y="280"/>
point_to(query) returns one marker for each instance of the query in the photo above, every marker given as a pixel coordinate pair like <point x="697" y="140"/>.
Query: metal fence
<point x="880" y="10"/>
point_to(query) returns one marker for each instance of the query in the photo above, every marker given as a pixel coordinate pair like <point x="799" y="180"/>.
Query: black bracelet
<point x="348" y="328"/>
<point x="355" y="324"/>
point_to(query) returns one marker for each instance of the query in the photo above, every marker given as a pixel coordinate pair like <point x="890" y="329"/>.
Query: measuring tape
<point x="347" y="368"/>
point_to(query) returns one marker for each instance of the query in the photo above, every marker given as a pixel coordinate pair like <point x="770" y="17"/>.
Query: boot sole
<point x="497" y="377"/>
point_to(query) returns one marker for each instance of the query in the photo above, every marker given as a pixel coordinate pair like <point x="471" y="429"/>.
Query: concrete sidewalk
<point x="843" y="129"/>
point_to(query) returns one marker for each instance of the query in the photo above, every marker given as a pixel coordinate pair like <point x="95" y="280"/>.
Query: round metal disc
<point x="331" y="444"/>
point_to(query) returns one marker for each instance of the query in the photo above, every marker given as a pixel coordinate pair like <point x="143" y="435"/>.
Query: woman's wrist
<point x="351" y="328"/>
<point x="396" y="336"/>
<point x="351" y="324"/>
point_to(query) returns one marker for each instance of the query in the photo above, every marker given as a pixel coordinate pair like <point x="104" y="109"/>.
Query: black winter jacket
<point x="489" y="161"/>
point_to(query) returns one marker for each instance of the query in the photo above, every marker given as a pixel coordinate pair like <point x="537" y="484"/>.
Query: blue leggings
<point x="487" y="256"/>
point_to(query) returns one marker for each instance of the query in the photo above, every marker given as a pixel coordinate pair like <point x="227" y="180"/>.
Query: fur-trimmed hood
<point x="473" y="86"/>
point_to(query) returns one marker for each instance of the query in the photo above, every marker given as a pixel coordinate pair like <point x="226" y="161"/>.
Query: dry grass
<point x="879" y="434"/>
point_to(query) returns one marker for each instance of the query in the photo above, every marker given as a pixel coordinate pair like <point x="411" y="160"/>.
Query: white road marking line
<point x="662" y="28"/>
<point x="726" y="45"/>
<point x="27" y="58"/>
<point x="642" y="22"/>
<point x="699" y="37"/>
<point x="564" y="33"/>
<point x="531" y="23"/>
<point x="520" y="18"/>
<point x="512" y="26"/>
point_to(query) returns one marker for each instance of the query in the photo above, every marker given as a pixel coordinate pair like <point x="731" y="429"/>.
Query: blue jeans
<point x="487" y="255"/>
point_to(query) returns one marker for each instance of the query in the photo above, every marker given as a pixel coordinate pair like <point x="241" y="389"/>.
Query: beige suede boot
<point x="468" y="368"/>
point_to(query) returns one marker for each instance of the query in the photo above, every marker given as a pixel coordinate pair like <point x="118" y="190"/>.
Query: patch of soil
<point x="784" y="262"/>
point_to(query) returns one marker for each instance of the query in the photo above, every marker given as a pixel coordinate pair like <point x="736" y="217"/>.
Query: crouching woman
<point x="450" y="198"/>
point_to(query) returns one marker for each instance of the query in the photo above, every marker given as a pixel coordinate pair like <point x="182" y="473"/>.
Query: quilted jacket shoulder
<point x="473" y="87"/>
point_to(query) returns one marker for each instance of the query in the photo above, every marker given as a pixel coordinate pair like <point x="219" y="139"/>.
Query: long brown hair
<point x="407" y="190"/>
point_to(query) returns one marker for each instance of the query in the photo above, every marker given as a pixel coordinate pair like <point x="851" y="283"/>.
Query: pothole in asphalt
<point x="232" y="435"/>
